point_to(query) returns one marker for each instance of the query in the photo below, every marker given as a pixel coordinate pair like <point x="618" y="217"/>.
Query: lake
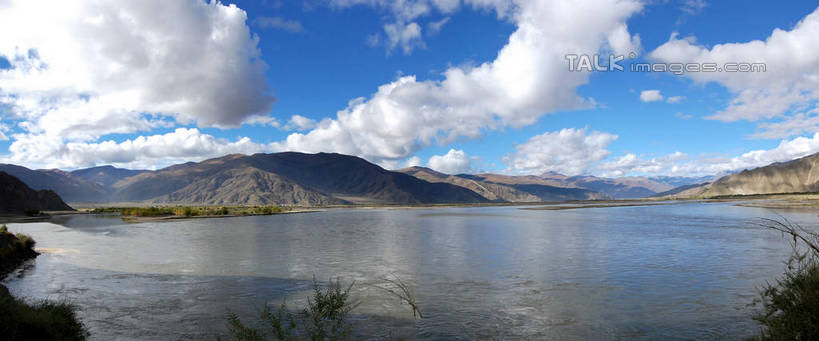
<point x="679" y="271"/>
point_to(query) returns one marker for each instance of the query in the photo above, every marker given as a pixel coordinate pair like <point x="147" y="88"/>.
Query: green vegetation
<point x="14" y="250"/>
<point x="20" y="320"/>
<point x="190" y="211"/>
<point x="790" y="305"/>
<point x="324" y="318"/>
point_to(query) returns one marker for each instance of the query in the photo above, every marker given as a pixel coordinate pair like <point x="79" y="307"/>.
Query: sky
<point x="460" y="86"/>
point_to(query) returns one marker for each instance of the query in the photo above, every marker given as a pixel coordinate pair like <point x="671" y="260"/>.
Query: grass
<point x="790" y="304"/>
<point x="190" y="211"/>
<point x="21" y="320"/>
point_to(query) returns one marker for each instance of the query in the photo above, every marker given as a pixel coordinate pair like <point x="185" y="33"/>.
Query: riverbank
<point x="140" y="212"/>
<point x="22" y="320"/>
<point x="14" y="250"/>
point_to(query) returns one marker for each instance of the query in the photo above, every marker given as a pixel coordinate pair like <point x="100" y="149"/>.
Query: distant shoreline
<point x="805" y="201"/>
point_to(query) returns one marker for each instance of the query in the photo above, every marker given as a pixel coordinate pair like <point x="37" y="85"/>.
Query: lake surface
<point x="682" y="271"/>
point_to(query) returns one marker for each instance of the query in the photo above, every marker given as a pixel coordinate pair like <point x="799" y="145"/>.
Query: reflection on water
<point x="676" y="271"/>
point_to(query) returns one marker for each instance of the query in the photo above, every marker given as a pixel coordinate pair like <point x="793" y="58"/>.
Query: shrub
<point x="324" y="318"/>
<point x="790" y="305"/>
<point x="20" y="320"/>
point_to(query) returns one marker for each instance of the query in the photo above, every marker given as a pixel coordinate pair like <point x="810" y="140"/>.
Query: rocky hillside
<point x="18" y="198"/>
<point x="796" y="176"/>
<point x="286" y="178"/>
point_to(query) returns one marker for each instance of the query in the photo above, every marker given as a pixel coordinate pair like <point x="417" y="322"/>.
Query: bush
<point x="324" y="318"/>
<point x="790" y="305"/>
<point x="20" y="320"/>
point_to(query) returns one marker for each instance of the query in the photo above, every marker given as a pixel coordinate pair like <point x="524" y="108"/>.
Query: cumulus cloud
<point x="453" y="162"/>
<point x="681" y="164"/>
<point x="568" y="151"/>
<point x="650" y="96"/>
<point x="298" y="122"/>
<point x="153" y="151"/>
<point x="86" y="69"/>
<point x="790" y="81"/>
<point x="675" y="99"/>
<point x="632" y="164"/>
<point x="527" y="79"/>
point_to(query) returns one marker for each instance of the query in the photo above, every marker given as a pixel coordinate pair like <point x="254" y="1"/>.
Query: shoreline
<point x="136" y="219"/>
<point x="807" y="201"/>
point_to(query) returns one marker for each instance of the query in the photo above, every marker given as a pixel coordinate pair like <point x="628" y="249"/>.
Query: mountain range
<point x="322" y="179"/>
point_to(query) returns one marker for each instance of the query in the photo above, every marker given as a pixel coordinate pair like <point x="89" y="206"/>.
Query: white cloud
<point x="153" y="151"/>
<point x="86" y="69"/>
<point x="683" y="165"/>
<point x="675" y="99"/>
<point x="413" y="161"/>
<point x="527" y="80"/>
<point x="453" y="162"/>
<point x="408" y="36"/>
<point x="693" y="7"/>
<point x="298" y="122"/>
<point x="436" y="26"/>
<point x="796" y="124"/>
<point x="3" y="130"/>
<point x="403" y="28"/>
<point x="630" y="164"/>
<point x="262" y="121"/>
<point x="790" y="80"/>
<point x="292" y="26"/>
<point x="650" y="96"/>
<point x="568" y="151"/>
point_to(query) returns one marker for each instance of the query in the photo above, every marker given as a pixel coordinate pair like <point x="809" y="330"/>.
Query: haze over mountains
<point x="317" y="179"/>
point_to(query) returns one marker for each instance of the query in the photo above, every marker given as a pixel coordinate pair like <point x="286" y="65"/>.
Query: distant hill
<point x="287" y="178"/>
<point x="682" y="191"/>
<point x="501" y="188"/>
<point x="620" y="188"/>
<point x="796" y="176"/>
<point x="70" y="188"/>
<point x="105" y="175"/>
<point x="18" y="198"/>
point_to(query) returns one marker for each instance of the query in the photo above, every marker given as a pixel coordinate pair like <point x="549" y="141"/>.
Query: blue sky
<point x="315" y="57"/>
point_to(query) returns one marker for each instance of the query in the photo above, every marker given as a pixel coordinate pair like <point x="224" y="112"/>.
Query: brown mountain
<point x="796" y="176"/>
<point x="18" y="198"/>
<point x="68" y="187"/>
<point x="620" y="188"/>
<point x="286" y="178"/>
<point x="503" y="188"/>
<point x="104" y="175"/>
